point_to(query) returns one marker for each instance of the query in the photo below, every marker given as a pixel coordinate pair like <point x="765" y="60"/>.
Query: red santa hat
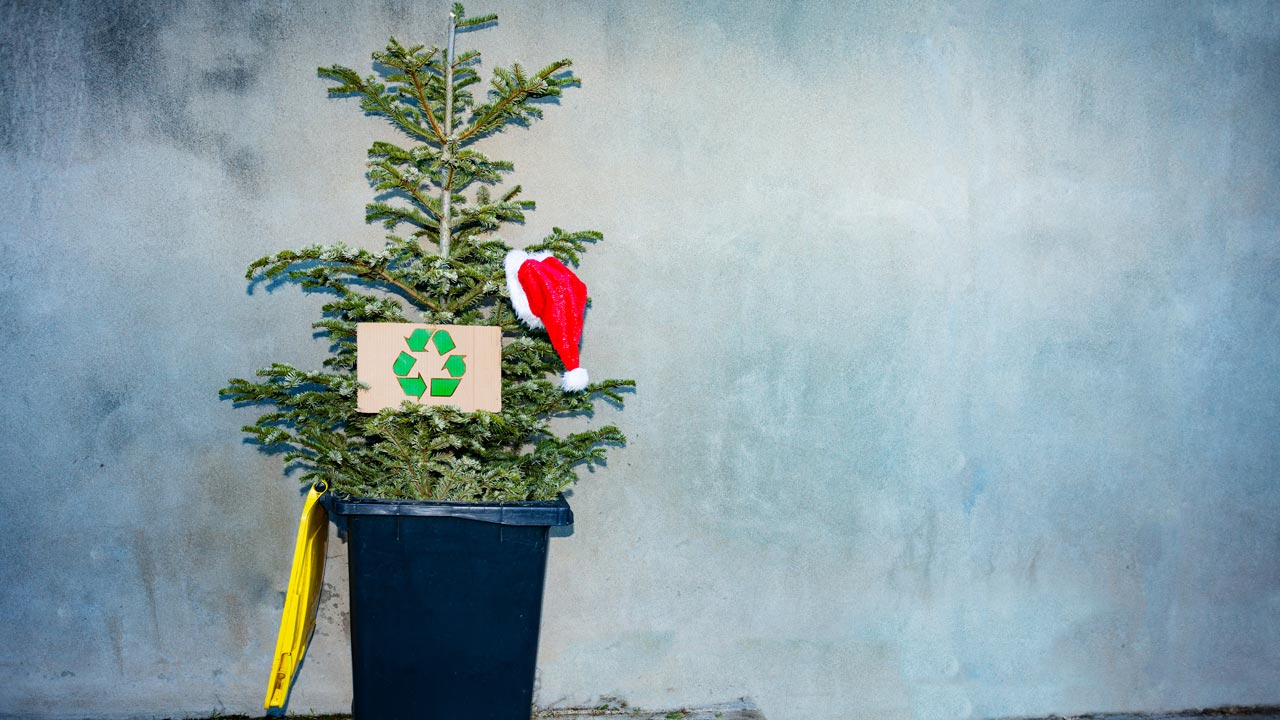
<point x="547" y="294"/>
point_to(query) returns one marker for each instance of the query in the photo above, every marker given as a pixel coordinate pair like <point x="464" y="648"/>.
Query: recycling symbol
<point x="455" y="365"/>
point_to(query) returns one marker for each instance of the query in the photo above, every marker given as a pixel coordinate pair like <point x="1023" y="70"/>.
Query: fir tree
<point x="438" y="194"/>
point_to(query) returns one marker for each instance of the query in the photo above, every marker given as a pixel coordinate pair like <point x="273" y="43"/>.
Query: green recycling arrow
<point x="404" y="363"/>
<point x="455" y="365"/>
<point x="443" y="341"/>
<point x="417" y="340"/>
<point x="443" y="387"/>
<point x="415" y="386"/>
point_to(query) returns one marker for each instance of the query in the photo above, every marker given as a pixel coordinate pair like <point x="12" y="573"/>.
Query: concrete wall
<point x="956" y="327"/>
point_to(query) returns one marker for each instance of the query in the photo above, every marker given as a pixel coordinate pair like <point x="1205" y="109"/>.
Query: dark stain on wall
<point x="117" y="641"/>
<point x="236" y="76"/>
<point x="233" y="613"/>
<point x="82" y="72"/>
<point x="122" y="46"/>
<point x="147" y="572"/>
<point x="243" y="164"/>
<point x="11" y="57"/>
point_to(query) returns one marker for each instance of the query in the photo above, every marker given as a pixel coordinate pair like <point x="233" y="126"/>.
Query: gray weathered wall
<point x="956" y="328"/>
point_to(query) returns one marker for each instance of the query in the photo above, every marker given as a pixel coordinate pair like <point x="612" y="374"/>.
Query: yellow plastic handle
<point x="298" y="621"/>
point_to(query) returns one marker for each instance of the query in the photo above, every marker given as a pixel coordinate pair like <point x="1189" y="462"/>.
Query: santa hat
<point x="547" y="294"/>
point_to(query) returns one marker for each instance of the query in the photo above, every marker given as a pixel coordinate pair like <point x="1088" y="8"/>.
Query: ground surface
<point x="746" y="711"/>
<point x="732" y="711"/>
<point x="1246" y="712"/>
<point x="1249" y="713"/>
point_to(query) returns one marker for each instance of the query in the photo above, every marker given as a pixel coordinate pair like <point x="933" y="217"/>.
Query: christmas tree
<point x="438" y="195"/>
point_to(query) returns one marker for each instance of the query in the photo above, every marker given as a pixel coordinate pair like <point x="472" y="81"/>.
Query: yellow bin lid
<point x="298" y="621"/>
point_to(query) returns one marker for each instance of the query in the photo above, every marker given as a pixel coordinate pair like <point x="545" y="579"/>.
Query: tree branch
<point x="364" y="270"/>
<point x="473" y="294"/>
<point x="420" y="94"/>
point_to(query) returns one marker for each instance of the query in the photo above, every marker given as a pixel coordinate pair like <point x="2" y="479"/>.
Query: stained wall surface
<point x="955" y="325"/>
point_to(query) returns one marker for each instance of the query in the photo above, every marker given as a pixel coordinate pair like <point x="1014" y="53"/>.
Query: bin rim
<point x="530" y="513"/>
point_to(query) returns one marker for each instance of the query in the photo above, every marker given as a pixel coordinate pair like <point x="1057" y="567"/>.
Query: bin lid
<point x="298" y="621"/>
<point x="546" y="512"/>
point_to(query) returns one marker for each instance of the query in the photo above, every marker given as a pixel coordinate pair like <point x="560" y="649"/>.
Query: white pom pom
<point x="575" y="380"/>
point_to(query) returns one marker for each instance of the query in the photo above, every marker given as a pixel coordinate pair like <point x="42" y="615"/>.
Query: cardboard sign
<point x="429" y="364"/>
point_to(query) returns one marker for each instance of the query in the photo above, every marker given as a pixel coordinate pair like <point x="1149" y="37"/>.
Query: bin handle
<point x="301" y="600"/>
